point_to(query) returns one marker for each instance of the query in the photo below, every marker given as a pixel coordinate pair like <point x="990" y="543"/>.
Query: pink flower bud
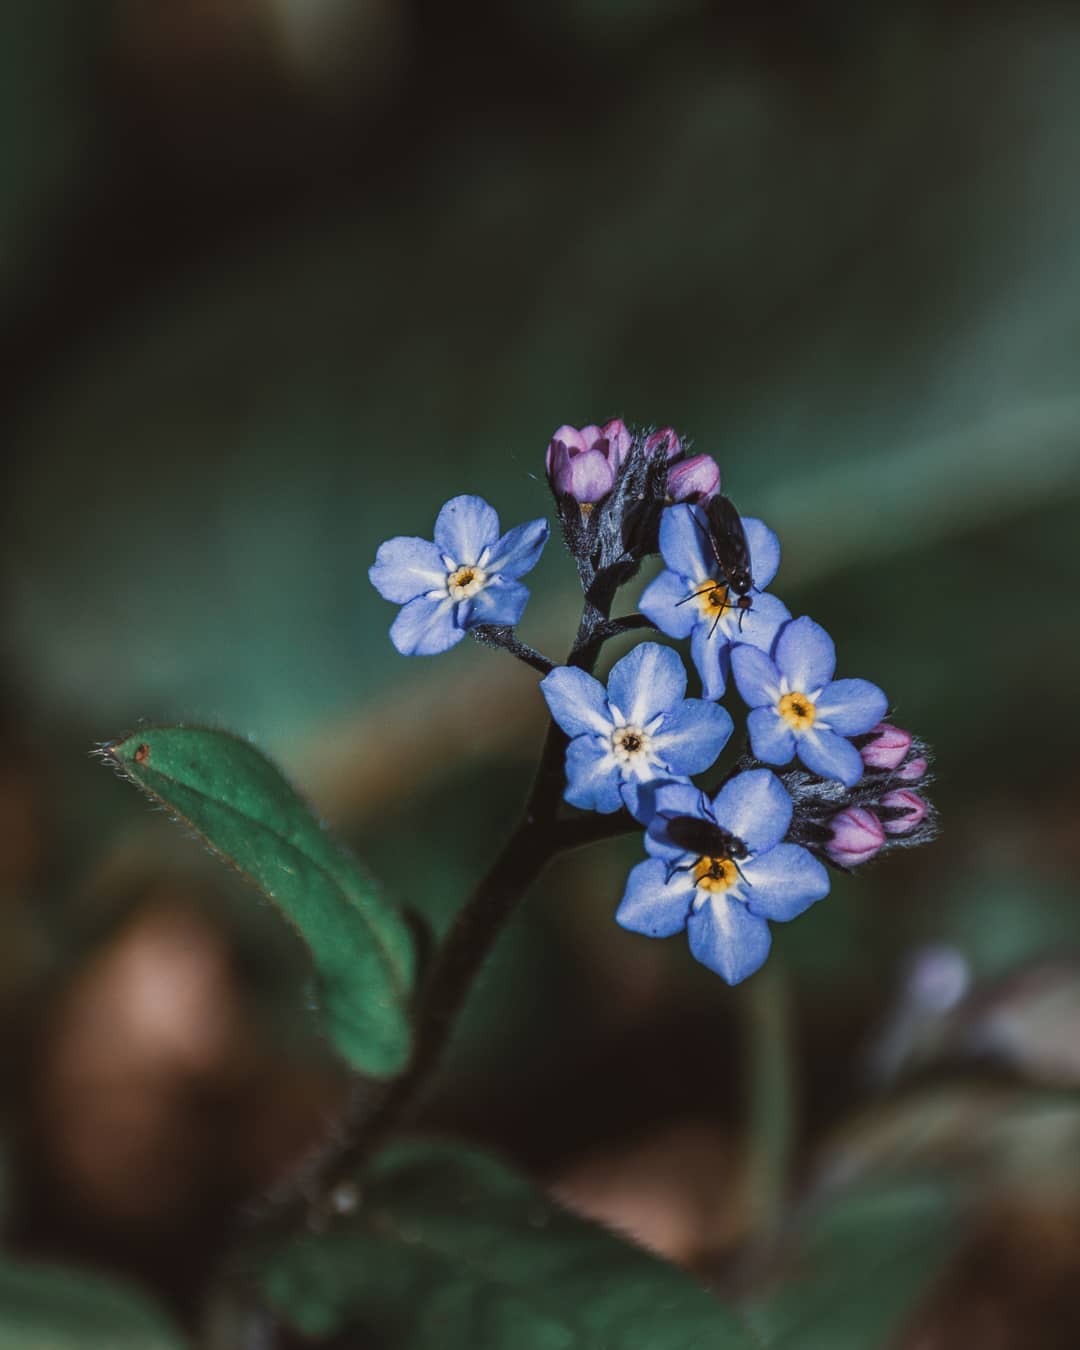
<point x="903" y="799"/>
<point x="664" y="437"/>
<point x="887" y="749"/>
<point x="619" y="441"/>
<point x="857" y="836"/>
<point x="913" y="770"/>
<point x="583" y="464"/>
<point x="694" y="480"/>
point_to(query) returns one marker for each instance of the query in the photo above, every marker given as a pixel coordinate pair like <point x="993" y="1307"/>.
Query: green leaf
<point x="865" y="1262"/>
<point x="235" y="799"/>
<point x="449" y="1248"/>
<point x="50" y="1308"/>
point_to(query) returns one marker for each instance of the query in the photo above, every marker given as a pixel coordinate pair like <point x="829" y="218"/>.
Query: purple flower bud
<point x="665" y="437"/>
<point x="913" y="806"/>
<point x="913" y="770"/>
<point x="583" y="464"/>
<point x="857" y="836"/>
<point x="694" y="480"/>
<point x="619" y="441"/>
<point x="887" y="749"/>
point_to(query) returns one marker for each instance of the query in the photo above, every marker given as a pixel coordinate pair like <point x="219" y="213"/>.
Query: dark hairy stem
<point x="539" y="836"/>
<point x="535" y="841"/>
<point x="500" y="635"/>
<point x="628" y="623"/>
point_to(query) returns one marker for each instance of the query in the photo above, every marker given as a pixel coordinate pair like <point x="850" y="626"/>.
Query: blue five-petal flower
<point x="468" y="576"/>
<point x="725" y="899"/>
<point x="640" y="729"/>
<point x="690" y="599"/>
<point x="799" y="709"/>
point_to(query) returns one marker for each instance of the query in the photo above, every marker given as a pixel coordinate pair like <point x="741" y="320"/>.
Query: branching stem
<point x="500" y="635"/>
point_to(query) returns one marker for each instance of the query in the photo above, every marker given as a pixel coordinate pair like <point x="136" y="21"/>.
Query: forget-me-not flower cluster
<point x="724" y="860"/>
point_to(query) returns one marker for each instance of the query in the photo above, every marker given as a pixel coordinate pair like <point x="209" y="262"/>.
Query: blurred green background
<point x="279" y="276"/>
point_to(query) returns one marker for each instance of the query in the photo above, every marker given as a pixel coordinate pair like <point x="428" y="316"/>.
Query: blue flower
<point x="639" y="729"/>
<point x="691" y="599"/>
<point x="727" y="877"/>
<point x="799" y="709"/>
<point x="467" y="577"/>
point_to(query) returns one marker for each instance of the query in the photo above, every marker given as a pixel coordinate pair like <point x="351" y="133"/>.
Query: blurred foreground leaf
<point x="449" y="1248"/>
<point x="235" y="799"/>
<point x="48" y="1308"/>
<point x="867" y="1261"/>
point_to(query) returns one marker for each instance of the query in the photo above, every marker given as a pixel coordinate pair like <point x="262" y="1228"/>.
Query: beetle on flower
<point x="640" y="729"/>
<point x="724" y="898"/>
<point x="467" y="577"/>
<point x="799" y="709"/>
<point x="692" y="599"/>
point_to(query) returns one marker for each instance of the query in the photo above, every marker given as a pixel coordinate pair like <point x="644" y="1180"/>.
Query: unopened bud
<point x="694" y="480"/>
<point x="913" y="770"/>
<point x="666" y="438"/>
<point x="913" y="806"/>
<point x="857" y="835"/>
<point x="887" y="748"/>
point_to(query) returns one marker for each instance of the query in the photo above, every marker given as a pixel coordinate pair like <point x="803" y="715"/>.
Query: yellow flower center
<point x="798" y="711"/>
<point x="465" y="582"/>
<point x="712" y="598"/>
<point x="715" y="875"/>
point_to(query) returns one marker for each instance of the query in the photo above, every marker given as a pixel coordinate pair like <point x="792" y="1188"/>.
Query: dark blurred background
<point x="279" y="276"/>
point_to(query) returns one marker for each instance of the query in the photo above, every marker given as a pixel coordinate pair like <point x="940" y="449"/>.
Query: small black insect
<point x="706" y="839"/>
<point x="726" y="538"/>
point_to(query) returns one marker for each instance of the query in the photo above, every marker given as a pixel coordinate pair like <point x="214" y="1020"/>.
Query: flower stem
<point x="536" y="840"/>
<point x="770" y="1093"/>
<point x="539" y="836"/>
<point x="501" y="635"/>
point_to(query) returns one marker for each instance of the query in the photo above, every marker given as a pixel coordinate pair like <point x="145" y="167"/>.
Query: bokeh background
<point x="279" y="276"/>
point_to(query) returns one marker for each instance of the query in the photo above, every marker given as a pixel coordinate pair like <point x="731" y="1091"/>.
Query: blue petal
<point x="518" y="551"/>
<point x="727" y="938"/>
<point x="652" y="906"/>
<point x="806" y="655"/>
<point x="660" y="602"/>
<point x="640" y="798"/>
<point x="464" y="528"/>
<point x="759" y="626"/>
<point x="852" y="706"/>
<point x="576" y="701"/>
<point x="592" y="776"/>
<point x="689" y="739"/>
<point x="764" y="551"/>
<point x="672" y="800"/>
<point x="827" y="754"/>
<point x="425" y="627"/>
<point x="771" y="739"/>
<point x="711" y="654"/>
<point x="648" y="680"/>
<point x="754" y="806"/>
<point x="499" y="602"/>
<point x="406" y="567"/>
<point x="783" y="882"/>
<point x="683" y="544"/>
<point x="756" y="677"/>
